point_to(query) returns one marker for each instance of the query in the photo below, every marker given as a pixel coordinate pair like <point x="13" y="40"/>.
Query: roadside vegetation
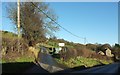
<point x="16" y="57"/>
<point x="82" y="61"/>
<point x="35" y="27"/>
<point x="76" y="55"/>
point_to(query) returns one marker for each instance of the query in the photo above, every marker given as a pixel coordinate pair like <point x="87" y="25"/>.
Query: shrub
<point x="69" y="53"/>
<point x="104" y="47"/>
<point x="11" y="44"/>
<point x="92" y="47"/>
<point x="116" y="52"/>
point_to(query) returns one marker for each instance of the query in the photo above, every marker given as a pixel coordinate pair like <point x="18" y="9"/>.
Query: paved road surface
<point x="113" y="68"/>
<point x="48" y="63"/>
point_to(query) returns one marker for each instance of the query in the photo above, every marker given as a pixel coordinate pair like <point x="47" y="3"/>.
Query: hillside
<point x="76" y="54"/>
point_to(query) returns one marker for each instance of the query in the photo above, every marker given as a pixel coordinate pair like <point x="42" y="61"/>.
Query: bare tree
<point x="34" y="24"/>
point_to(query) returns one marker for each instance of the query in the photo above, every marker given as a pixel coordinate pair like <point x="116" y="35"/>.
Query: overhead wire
<point x="59" y="24"/>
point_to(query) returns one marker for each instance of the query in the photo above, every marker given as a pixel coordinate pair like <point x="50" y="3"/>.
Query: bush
<point x="69" y="53"/>
<point x="116" y="52"/>
<point x="99" y="56"/>
<point x="92" y="47"/>
<point x="11" y="44"/>
<point x="84" y="52"/>
<point x="104" y="47"/>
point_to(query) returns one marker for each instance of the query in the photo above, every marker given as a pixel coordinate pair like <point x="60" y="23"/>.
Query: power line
<point x="59" y="24"/>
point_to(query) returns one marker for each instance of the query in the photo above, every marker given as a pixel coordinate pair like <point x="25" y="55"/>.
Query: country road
<point x="113" y="68"/>
<point x="46" y="63"/>
<point x="47" y="59"/>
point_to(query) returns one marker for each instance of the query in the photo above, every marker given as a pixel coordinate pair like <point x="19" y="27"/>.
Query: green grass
<point x="9" y="35"/>
<point x="24" y="59"/>
<point x="18" y="59"/>
<point x="17" y="65"/>
<point x="80" y="61"/>
<point x="2" y="61"/>
<point x="106" y="61"/>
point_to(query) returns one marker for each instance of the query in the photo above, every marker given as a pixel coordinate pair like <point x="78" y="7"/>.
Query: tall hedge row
<point x="13" y="44"/>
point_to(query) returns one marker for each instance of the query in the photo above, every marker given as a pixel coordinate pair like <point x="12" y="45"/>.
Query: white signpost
<point x="61" y="44"/>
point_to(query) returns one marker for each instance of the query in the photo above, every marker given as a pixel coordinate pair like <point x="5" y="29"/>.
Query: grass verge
<point x="82" y="61"/>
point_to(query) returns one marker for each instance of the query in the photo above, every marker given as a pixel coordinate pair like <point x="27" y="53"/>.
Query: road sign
<point x="61" y="44"/>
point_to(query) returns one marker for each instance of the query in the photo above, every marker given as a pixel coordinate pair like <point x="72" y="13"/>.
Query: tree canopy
<point x="34" y="25"/>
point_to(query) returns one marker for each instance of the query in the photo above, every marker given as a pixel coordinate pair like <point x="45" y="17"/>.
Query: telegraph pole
<point x="84" y="40"/>
<point x="18" y="17"/>
<point x="18" y="22"/>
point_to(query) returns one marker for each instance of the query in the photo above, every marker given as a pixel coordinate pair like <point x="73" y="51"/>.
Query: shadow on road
<point x="30" y="67"/>
<point x="24" y="67"/>
<point x="79" y="68"/>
